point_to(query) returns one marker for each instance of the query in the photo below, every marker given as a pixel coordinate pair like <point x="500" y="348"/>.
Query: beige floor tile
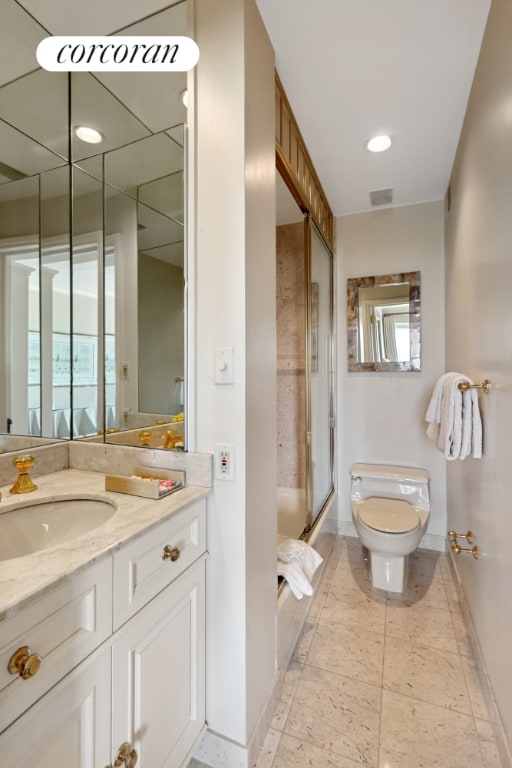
<point x="290" y="683"/>
<point x="420" y="624"/>
<point x="354" y="575"/>
<point x="461" y="634"/>
<point x="305" y="639"/>
<point x="355" y="607"/>
<point x="318" y="600"/>
<point x="268" y="751"/>
<point x="488" y="746"/>
<point x="355" y="555"/>
<point x="416" y="734"/>
<point x="349" y="651"/>
<point x="425" y="566"/>
<point x="475" y="692"/>
<point x="426" y="673"/>
<point x="294" y="753"/>
<point x="336" y="714"/>
<point x="422" y="592"/>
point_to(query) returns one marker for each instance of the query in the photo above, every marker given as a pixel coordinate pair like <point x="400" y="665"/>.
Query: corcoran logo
<point x="117" y="54"/>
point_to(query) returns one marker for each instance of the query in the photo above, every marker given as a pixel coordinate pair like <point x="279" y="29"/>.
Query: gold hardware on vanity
<point x="170" y="553"/>
<point x="145" y="437"/>
<point x="465" y="385"/>
<point x="24" y="663"/>
<point x="171" y="440"/>
<point x="455" y="546"/>
<point x="24" y="482"/>
<point x="126" y="756"/>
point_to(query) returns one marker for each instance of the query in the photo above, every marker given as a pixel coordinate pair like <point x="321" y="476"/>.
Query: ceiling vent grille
<point x="381" y="197"/>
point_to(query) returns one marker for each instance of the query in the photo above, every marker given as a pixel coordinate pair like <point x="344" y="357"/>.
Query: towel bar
<point x="455" y="546"/>
<point x="465" y="385"/>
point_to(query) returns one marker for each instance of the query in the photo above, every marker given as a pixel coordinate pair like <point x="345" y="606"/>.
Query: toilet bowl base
<point x="389" y="573"/>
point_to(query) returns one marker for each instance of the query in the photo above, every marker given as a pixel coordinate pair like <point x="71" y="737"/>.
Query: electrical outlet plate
<point x="224" y="468"/>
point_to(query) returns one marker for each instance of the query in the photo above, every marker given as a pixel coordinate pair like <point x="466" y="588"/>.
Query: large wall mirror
<point x="383" y="322"/>
<point x="92" y="246"/>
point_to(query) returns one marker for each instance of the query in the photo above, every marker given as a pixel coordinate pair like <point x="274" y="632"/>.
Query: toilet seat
<point x="388" y="515"/>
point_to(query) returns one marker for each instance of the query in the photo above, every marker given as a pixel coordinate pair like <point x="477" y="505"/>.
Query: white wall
<point x="381" y="415"/>
<point x="234" y="306"/>
<point x="479" y="342"/>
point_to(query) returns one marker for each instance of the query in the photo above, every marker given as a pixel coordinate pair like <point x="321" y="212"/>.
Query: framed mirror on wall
<point x="92" y="245"/>
<point x="384" y="322"/>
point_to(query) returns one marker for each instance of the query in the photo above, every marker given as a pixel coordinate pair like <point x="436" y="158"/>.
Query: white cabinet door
<point x="158" y="674"/>
<point x="70" y="726"/>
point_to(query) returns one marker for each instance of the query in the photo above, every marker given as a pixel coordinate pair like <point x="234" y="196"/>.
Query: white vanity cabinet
<point x="141" y="686"/>
<point x="158" y="675"/>
<point x="69" y="726"/>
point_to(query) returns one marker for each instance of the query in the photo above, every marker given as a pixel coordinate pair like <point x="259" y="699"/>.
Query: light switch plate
<point x="224" y="365"/>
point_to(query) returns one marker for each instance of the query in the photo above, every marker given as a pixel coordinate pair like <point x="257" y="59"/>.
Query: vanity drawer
<point x="62" y="627"/>
<point x="142" y="569"/>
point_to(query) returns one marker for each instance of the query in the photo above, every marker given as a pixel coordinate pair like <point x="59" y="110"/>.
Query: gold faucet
<point x="170" y="439"/>
<point x="24" y="482"/>
<point x="145" y="437"/>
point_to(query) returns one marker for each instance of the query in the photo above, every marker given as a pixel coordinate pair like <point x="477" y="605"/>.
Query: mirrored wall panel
<point x="92" y="247"/>
<point x="34" y="231"/>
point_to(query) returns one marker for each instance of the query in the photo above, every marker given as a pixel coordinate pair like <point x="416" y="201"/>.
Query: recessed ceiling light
<point x="379" y="143"/>
<point x="90" y="135"/>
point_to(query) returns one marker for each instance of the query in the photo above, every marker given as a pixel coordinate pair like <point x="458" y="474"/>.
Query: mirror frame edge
<point x="413" y="279"/>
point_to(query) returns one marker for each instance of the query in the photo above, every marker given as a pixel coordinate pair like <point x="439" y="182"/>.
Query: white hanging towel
<point x="453" y="417"/>
<point x="296" y="578"/>
<point x="294" y="550"/>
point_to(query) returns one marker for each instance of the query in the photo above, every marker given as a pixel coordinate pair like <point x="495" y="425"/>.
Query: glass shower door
<point x="321" y="421"/>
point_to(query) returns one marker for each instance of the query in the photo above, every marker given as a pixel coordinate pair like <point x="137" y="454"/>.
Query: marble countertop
<point x="24" y="578"/>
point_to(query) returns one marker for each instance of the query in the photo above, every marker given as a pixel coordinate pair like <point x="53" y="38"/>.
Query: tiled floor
<point x="382" y="680"/>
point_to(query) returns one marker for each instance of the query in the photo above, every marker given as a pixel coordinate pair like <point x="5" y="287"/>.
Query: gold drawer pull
<point x="126" y="755"/>
<point x="171" y="553"/>
<point x="24" y="663"/>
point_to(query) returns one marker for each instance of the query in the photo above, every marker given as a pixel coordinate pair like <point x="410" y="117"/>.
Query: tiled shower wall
<point x="291" y="356"/>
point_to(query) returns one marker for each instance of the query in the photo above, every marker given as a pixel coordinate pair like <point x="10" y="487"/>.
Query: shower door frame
<point x="290" y="180"/>
<point x="313" y="515"/>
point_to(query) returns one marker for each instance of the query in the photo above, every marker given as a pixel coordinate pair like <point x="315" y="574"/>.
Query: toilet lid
<point x="389" y="515"/>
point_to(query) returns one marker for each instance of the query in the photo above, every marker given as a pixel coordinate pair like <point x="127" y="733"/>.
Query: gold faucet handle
<point x="23" y="463"/>
<point x="24" y="482"/>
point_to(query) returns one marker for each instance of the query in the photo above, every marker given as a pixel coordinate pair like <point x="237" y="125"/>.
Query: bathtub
<point x="291" y="512"/>
<point x="291" y="613"/>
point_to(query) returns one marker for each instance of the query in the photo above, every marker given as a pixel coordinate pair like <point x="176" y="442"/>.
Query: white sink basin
<point x="40" y="525"/>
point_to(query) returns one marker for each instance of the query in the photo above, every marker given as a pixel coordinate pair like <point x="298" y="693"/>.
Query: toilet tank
<point x="392" y="482"/>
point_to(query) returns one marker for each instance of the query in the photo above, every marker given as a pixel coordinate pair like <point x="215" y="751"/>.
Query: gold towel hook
<point x="455" y="546"/>
<point x="465" y="385"/>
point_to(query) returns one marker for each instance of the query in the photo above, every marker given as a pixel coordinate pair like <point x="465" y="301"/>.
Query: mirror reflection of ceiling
<point x="33" y="101"/>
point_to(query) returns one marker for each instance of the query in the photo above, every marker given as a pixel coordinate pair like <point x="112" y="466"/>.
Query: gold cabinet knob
<point x="24" y="663"/>
<point x="171" y="553"/>
<point x="126" y="755"/>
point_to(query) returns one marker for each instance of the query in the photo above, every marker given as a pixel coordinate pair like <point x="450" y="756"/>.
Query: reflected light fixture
<point x="184" y="98"/>
<point x="90" y="135"/>
<point x="379" y="143"/>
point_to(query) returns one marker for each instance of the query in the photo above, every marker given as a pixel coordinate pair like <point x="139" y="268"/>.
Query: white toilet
<point x="390" y="510"/>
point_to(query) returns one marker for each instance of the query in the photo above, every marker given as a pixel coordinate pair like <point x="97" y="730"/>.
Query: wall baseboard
<point x="504" y="748"/>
